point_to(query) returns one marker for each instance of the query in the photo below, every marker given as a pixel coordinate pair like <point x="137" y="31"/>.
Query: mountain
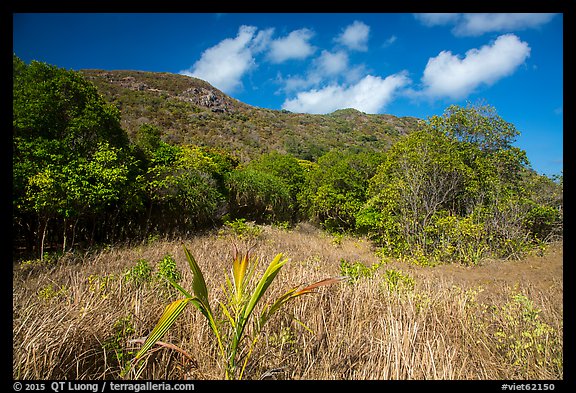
<point x="190" y="110"/>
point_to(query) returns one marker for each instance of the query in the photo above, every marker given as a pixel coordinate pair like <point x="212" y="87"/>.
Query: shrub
<point x="49" y="292"/>
<point x="242" y="229"/>
<point x="139" y="274"/>
<point x="115" y="345"/>
<point x="522" y="337"/>
<point x="258" y="196"/>
<point x="168" y="270"/>
<point x="336" y="188"/>
<point x="396" y="281"/>
<point x="357" y="270"/>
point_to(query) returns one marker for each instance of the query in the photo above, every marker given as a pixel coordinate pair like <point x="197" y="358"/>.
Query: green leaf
<point x="264" y="283"/>
<point x="171" y="313"/>
<point x="198" y="282"/>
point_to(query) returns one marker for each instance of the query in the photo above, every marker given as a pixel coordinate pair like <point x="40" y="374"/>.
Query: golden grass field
<point x="78" y="318"/>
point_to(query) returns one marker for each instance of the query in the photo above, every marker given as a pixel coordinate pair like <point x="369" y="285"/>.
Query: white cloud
<point x="455" y="77"/>
<point x="355" y="36"/>
<point x="479" y="23"/>
<point x="262" y="40"/>
<point x="294" y="46"/>
<point x="224" y="64"/>
<point x="371" y="94"/>
<point x="436" y="19"/>
<point x="392" y="39"/>
<point x="295" y="83"/>
<point x="327" y="66"/>
<point x="332" y="63"/>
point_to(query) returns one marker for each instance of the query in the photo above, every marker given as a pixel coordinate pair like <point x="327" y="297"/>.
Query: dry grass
<point x="501" y="320"/>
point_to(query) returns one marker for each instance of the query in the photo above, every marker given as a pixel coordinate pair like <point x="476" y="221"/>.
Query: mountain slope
<point x="189" y="110"/>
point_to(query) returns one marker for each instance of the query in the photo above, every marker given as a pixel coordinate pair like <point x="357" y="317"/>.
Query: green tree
<point x="336" y="188"/>
<point x="258" y="196"/>
<point x="455" y="189"/>
<point x="421" y="175"/>
<point x="183" y="185"/>
<point x="60" y="126"/>
<point x="148" y="139"/>
<point x="98" y="189"/>
<point x="289" y="170"/>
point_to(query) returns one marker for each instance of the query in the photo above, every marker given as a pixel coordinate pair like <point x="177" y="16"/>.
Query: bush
<point x="396" y="281"/>
<point x="258" y="196"/>
<point x="139" y="274"/>
<point x="167" y="269"/>
<point x="356" y="270"/>
<point x="336" y="188"/>
<point x="455" y="239"/>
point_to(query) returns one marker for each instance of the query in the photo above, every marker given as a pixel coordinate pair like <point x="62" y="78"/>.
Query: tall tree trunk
<point x="64" y="235"/>
<point x="44" y="230"/>
<point x="74" y="231"/>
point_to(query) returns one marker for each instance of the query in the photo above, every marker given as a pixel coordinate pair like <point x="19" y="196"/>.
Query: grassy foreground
<point x="83" y="317"/>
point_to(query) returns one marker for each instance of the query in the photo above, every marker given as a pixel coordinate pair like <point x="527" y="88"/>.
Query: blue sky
<point x="401" y="64"/>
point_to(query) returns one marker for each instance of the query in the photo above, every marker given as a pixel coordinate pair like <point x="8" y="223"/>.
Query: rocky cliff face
<point x="206" y="98"/>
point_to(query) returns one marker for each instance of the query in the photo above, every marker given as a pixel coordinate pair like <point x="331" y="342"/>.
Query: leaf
<point x="294" y="293"/>
<point x="327" y="281"/>
<point x="263" y="284"/>
<point x="227" y="313"/>
<point x="178" y="287"/>
<point x="171" y="313"/>
<point x="201" y="299"/>
<point x="239" y="266"/>
<point x="198" y="283"/>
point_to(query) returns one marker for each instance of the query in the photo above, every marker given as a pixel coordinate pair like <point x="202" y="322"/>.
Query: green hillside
<point x="189" y="110"/>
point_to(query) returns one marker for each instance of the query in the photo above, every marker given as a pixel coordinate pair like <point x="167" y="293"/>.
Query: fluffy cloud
<point x="371" y="94"/>
<point x="355" y="36"/>
<point x="332" y="63"/>
<point x="452" y="76"/>
<point x="479" y="23"/>
<point x="327" y="66"/>
<point x="295" y="45"/>
<point x="224" y="64"/>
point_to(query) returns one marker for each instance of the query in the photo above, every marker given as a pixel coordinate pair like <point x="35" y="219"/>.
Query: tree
<point x="60" y="124"/>
<point x="286" y="168"/>
<point x="477" y="124"/>
<point x="420" y="176"/>
<point x="97" y="189"/>
<point x="56" y="104"/>
<point x="148" y="139"/>
<point x="335" y="189"/>
<point x="455" y="189"/>
<point x="183" y="183"/>
<point x="257" y="195"/>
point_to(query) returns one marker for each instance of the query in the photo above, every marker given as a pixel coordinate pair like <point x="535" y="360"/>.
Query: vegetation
<point x="190" y="111"/>
<point x="144" y="158"/>
<point x="498" y="320"/>
<point x="457" y="190"/>
<point x="244" y="295"/>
